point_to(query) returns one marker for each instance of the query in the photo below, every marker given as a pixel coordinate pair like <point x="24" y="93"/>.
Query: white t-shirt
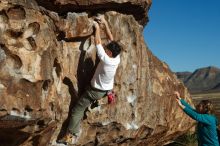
<point x="103" y="78"/>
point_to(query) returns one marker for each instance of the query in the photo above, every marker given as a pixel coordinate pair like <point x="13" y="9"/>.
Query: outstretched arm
<point x="100" y="50"/>
<point x="203" y="118"/>
<point x="108" y="32"/>
<point x="97" y="33"/>
<point x="177" y="94"/>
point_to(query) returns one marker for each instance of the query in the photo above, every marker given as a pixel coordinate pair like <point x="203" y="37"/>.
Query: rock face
<point x="47" y="60"/>
<point x="138" y="9"/>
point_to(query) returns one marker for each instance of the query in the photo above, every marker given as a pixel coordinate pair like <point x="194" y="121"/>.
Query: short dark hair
<point x="114" y="47"/>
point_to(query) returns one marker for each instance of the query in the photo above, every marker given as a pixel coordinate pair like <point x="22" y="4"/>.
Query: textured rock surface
<point x="137" y="8"/>
<point x="46" y="61"/>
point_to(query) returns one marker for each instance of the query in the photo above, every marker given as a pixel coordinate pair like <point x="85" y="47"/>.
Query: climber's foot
<point x="68" y="139"/>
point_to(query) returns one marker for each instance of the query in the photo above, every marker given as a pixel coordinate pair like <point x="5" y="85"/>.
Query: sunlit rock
<point x="47" y="58"/>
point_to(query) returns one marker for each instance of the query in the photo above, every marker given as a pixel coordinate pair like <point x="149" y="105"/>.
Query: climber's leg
<point x="78" y="110"/>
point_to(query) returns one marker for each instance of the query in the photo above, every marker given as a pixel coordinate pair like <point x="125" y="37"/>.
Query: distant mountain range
<point x="205" y="79"/>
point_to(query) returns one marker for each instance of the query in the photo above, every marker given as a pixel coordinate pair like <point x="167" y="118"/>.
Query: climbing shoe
<point x="68" y="139"/>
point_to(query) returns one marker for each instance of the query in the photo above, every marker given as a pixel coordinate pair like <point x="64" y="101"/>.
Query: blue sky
<point x="185" y="33"/>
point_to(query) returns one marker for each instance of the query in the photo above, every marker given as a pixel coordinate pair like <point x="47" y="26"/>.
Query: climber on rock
<point x="101" y="82"/>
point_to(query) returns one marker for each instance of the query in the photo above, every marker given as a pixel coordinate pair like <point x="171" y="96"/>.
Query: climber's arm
<point x="97" y="33"/>
<point x="100" y="50"/>
<point x="107" y="29"/>
<point x="108" y="32"/>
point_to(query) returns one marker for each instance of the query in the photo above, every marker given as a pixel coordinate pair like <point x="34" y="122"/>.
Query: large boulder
<point x="47" y="60"/>
<point x="139" y="9"/>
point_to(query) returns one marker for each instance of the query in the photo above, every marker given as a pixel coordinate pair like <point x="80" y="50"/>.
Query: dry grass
<point x="206" y="95"/>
